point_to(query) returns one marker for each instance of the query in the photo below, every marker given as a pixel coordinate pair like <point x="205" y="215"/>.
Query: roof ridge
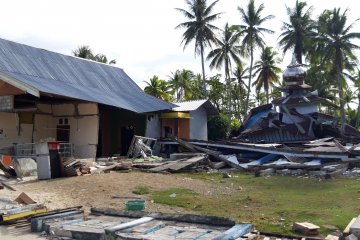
<point x="63" y="54"/>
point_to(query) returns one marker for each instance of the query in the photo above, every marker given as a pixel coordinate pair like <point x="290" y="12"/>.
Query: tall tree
<point x="217" y="91"/>
<point x="267" y="70"/>
<point x="181" y="83"/>
<point x="227" y="51"/>
<point x="240" y="73"/>
<point x="337" y="48"/>
<point x="158" y="88"/>
<point x="297" y="34"/>
<point x="253" y="34"/>
<point x="198" y="28"/>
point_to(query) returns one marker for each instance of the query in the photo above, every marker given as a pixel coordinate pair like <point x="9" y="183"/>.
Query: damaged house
<point x="188" y="120"/>
<point x="95" y="107"/>
<point x="294" y="117"/>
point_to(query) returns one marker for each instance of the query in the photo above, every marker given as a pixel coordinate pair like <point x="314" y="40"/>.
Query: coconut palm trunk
<point x="358" y="113"/>
<point x="203" y="69"/>
<point x="341" y="100"/>
<point x="250" y="78"/>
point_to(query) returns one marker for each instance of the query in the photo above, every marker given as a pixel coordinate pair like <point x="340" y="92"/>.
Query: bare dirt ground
<point x="98" y="190"/>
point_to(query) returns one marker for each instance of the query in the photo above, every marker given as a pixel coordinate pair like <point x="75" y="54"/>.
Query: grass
<point x="141" y="190"/>
<point x="272" y="204"/>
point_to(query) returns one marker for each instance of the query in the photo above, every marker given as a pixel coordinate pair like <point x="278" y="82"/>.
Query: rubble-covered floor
<point x="262" y="201"/>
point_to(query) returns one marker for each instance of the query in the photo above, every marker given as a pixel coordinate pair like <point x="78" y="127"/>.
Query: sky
<point x="139" y="34"/>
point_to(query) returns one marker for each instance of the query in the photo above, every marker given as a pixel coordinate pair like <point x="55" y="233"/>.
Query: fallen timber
<point x="329" y="158"/>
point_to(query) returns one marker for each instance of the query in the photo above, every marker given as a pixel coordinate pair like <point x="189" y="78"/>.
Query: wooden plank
<point x="8" y="186"/>
<point x="21" y="215"/>
<point x="187" y="163"/>
<point x="214" y="154"/>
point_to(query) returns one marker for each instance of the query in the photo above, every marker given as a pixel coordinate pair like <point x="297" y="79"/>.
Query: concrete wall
<point x="83" y="128"/>
<point x="9" y="126"/>
<point x="198" y="124"/>
<point x="153" y="126"/>
<point x="45" y="127"/>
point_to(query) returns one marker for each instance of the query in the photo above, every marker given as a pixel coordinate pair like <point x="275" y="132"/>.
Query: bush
<point x="218" y="127"/>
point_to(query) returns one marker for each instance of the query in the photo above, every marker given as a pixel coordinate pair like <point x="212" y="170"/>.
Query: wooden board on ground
<point x="306" y="228"/>
<point x="179" y="164"/>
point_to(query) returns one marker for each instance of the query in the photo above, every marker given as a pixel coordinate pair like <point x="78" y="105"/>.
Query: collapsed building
<point x="294" y="117"/>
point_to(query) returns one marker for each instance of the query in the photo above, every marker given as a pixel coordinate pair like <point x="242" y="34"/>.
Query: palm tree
<point x="196" y="87"/>
<point x="226" y="52"/>
<point x="299" y="31"/>
<point x="158" y="88"/>
<point x="83" y="52"/>
<point x="336" y="47"/>
<point x="268" y="72"/>
<point x="102" y="58"/>
<point x="180" y="82"/>
<point x="253" y="33"/>
<point x="240" y="74"/>
<point x="86" y="52"/>
<point x="199" y="28"/>
<point x="217" y="91"/>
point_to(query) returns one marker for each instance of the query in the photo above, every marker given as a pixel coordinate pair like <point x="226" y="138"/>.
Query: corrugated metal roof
<point x="73" y="77"/>
<point x="195" y="104"/>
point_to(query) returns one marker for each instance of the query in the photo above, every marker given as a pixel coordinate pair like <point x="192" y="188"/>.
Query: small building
<point x="188" y="120"/>
<point x="94" y="106"/>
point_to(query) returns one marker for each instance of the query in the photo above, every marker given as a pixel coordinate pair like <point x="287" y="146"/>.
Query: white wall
<point x="9" y="123"/>
<point x="83" y="128"/>
<point x="153" y="126"/>
<point x="84" y="135"/>
<point x="45" y="127"/>
<point x="198" y="124"/>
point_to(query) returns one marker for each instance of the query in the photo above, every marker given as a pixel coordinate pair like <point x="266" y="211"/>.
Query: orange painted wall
<point x="180" y="127"/>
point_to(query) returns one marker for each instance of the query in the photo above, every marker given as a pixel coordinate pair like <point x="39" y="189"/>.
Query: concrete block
<point x="37" y="223"/>
<point x="355" y="227"/>
<point x="351" y="237"/>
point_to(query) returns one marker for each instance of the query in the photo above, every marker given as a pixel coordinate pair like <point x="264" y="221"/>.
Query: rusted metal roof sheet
<point x="77" y="78"/>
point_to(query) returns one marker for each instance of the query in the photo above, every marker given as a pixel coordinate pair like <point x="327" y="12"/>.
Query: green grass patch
<point x="272" y="204"/>
<point x="184" y="197"/>
<point x="141" y="190"/>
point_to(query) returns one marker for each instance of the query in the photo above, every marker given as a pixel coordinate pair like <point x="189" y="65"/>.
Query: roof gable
<point x="189" y="106"/>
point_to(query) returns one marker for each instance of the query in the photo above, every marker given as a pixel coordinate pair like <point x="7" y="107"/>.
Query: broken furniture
<point x="141" y="147"/>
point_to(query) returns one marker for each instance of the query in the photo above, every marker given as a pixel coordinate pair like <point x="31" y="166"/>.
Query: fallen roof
<point x="37" y="71"/>
<point x="188" y="106"/>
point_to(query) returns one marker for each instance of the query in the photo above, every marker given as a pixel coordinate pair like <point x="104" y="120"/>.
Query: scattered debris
<point x="306" y="228"/>
<point x="141" y="146"/>
<point x="23" y="207"/>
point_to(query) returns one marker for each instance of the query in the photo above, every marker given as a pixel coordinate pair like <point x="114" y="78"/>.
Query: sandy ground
<point x="98" y="191"/>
